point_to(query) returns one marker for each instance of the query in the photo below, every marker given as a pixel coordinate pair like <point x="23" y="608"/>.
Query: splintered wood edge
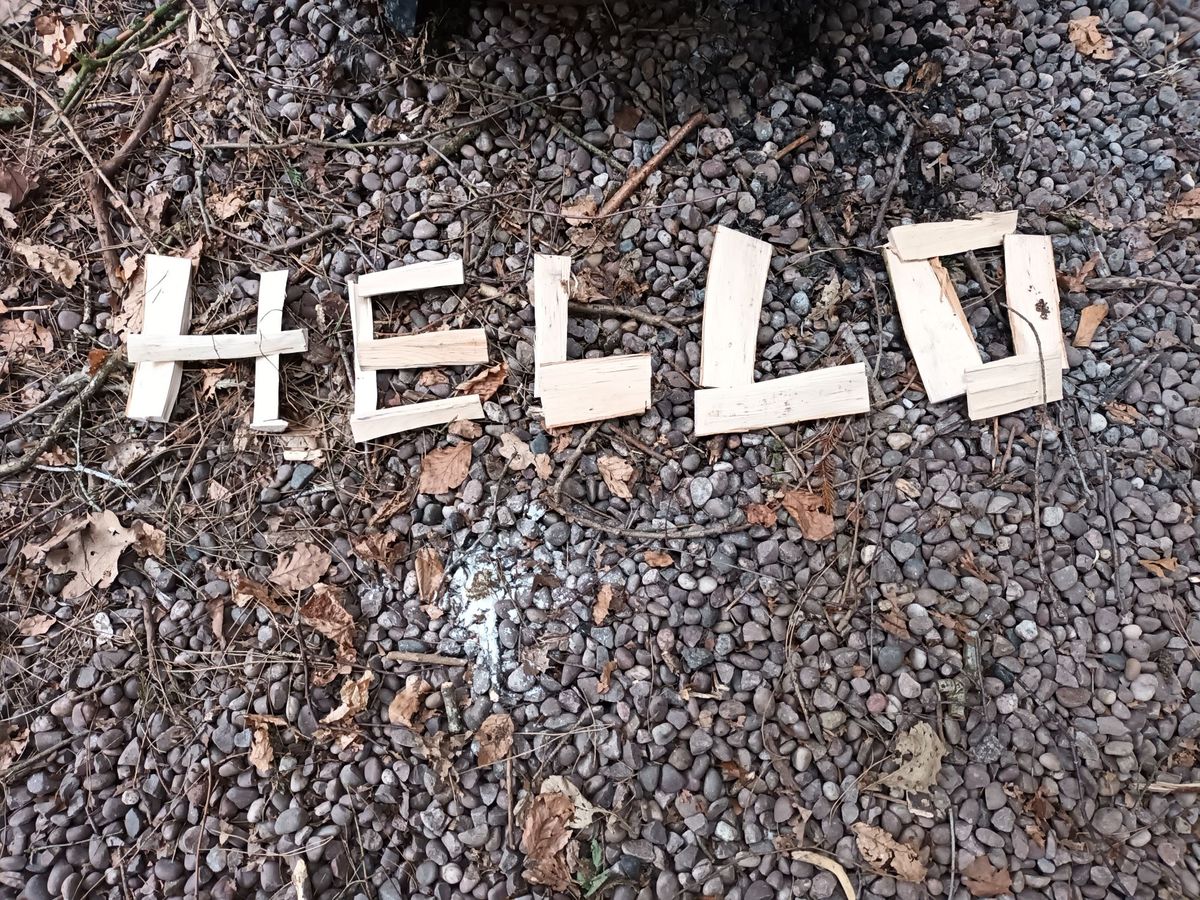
<point x="1010" y="385"/>
<point x="821" y="394"/>
<point x="397" y="419"/>
<point x="925" y="240"/>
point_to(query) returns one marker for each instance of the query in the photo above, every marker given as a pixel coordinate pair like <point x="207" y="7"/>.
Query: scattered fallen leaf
<point x="1076" y="283"/>
<point x="604" y="682"/>
<point x="96" y="358"/>
<point x="59" y="40"/>
<point x="36" y="625"/>
<point x="302" y="568"/>
<point x="406" y="704"/>
<point x="325" y="613"/>
<point x="617" y="474"/>
<point x="834" y="292"/>
<point x="657" y="559"/>
<point x="920" y="752"/>
<point x="584" y="811"/>
<point x="603" y="603"/>
<point x="543" y="466"/>
<point x="1122" y="412"/>
<point x="516" y="451"/>
<point x="809" y="513"/>
<point x="546" y="842"/>
<point x="216" y="617"/>
<point x="12" y="745"/>
<point x="495" y="736"/>
<point x="246" y="591"/>
<point x="50" y="260"/>
<point x="465" y="429"/>
<point x="199" y="65"/>
<point x="354" y="698"/>
<point x="149" y="541"/>
<point x="486" y="383"/>
<point x="225" y="206"/>
<point x="1090" y="318"/>
<point x="985" y="880"/>
<point x="1186" y="207"/>
<point x="7" y="219"/>
<point x="580" y="211"/>
<point x="885" y="854"/>
<point x="1085" y="34"/>
<point x="261" y="752"/>
<point x="19" y="335"/>
<point x="430" y="573"/>
<point x="90" y="548"/>
<point x="760" y="514"/>
<point x="152" y="211"/>
<point x="627" y="118"/>
<point x="1160" y="568"/>
<point x="444" y="469"/>
<point x="382" y="547"/>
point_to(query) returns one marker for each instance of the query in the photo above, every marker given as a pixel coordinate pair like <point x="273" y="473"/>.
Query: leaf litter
<point x="885" y="854"/>
<point x="921" y="752"/>
<point x="406" y="705"/>
<point x="495" y="737"/>
<point x="89" y="548"/>
<point x="810" y="514"/>
<point x="444" y="469"/>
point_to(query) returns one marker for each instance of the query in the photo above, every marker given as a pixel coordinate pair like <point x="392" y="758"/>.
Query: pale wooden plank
<point x="415" y="277"/>
<point x="926" y="240"/>
<point x="588" y="390"/>
<point x="366" y="387"/>
<point x="1031" y="290"/>
<point x="272" y="292"/>
<point x="1011" y="384"/>
<point x="820" y="394"/>
<point x="397" y="419"/>
<point x="195" y="347"/>
<point x="459" y="347"/>
<point x="733" y="295"/>
<point x="166" y="310"/>
<point x="551" y="284"/>
<point x="935" y="326"/>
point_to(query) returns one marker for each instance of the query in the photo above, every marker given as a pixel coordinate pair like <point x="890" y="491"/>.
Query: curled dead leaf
<point x="382" y="547"/>
<point x="59" y="40"/>
<point x="149" y="541"/>
<point x="600" y="608"/>
<point x="12" y="745"/>
<point x="303" y="567"/>
<point x="246" y="591"/>
<point x="36" y="625"/>
<point x="885" y="854"/>
<point x="760" y="514"/>
<point x="604" y="682"/>
<point x="1160" y="568"/>
<point x="920" y="751"/>
<point x="1085" y="34"/>
<point x="809" y="513"/>
<point x="486" y="383"/>
<point x="325" y="613"/>
<point x="430" y="574"/>
<point x="354" y="695"/>
<point x="546" y="842"/>
<point x="406" y="705"/>
<point x="495" y="736"/>
<point x="657" y="559"/>
<point x="50" y="260"/>
<point x="444" y="469"/>
<point x="1090" y="318"/>
<point x="985" y="880"/>
<point x="617" y="474"/>
<point x="262" y="754"/>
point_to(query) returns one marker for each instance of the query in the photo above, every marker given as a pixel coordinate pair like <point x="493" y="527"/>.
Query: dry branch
<point x="639" y="176"/>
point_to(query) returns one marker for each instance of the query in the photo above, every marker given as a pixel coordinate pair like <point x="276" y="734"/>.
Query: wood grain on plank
<point x="589" y="390"/>
<point x="459" y="347"/>
<point x="415" y="277"/>
<point x="362" y="314"/>
<point x="166" y="311"/>
<point x="195" y="347"/>
<point x="1011" y="384"/>
<point x="820" y="394"/>
<point x="397" y="419"/>
<point x="929" y="239"/>
<point x="935" y="325"/>
<point x="551" y="285"/>
<point x="272" y="292"/>
<point x="733" y="295"/>
<point x="1031" y="293"/>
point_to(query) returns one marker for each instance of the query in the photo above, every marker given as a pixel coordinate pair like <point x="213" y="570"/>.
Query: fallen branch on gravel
<point x="64" y="388"/>
<point x="675" y="323"/>
<point x="825" y="230"/>
<point x="797" y="143"/>
<point x="897" y="168"/>
<point x="1121" y="283"/>
<point x="428" y="659"/>
<point x="638" y="177"/>
<point x="108" y="171"/>
<point x="54" y="432"/>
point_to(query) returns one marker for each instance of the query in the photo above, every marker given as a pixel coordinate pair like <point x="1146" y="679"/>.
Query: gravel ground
<point x="987" y="579"/>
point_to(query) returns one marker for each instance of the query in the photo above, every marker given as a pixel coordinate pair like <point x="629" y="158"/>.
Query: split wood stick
<point x="639" y="176"/>
<point x="397" y="419"/>
<point x="551" y="280"/>
<point x="272" y="292"/>
<point x="195" y="347"/>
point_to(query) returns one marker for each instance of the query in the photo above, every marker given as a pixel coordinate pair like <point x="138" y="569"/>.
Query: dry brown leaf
<point x="216" y="616"/>
<point x="885" y="854"/>
<point x="432" y="378"/>
<point x="90" y="548"/>
<point x="262" y="754"/>
<point x="985" y="880"/>
<point x="627" y="118"/>
<point x="809" y="513"/>
<point x="1122" y="412"/>
<point x="760" y="514"/>
<point x="430" y="573"/>
<point x="325" y="613"/>
<point x="246" y="591"/>
<point x="920" y="752"/>
<point x="1186" y="207"/>
<point x="495" y="736"/>
<point x="1086" y="36"/>
<point x="12" y="745"/>
<point x="580" y="211"/>
<point x="96" y="359"/>
<point x="617" y="474"/>
<point x="149" y="541"/>
<point x="545" y="840"/>
<point x="657" y="559"/>
<point x="1076" y="283"/>
<point x="225" y="206"/>
<point x="302" y="568"/>
<point x="36" y="625"/>
<point x="604" y="683"/>
<point x="59" y="40"/>
<point x="199" y="65"/>
<point x="1090" y="318"/>
<point x="1160" y="568"/>
<point x="50" y="260"/>
<point x="465" y="429"/>
<point x="19" y="335"/>
<point x="444" y="469"/>
<point x="516" y="451"/>
<point x="8" y="220"/>
<point x="486" y="383"/>
<point x="543" y="466"/>
<point x="406" y="704"/>
<point x="354" y="695"/>
<point x="14" y="180"/>
<point x="382" y="547"/>
<point x="603" y="603"/>
<point x="152" y="211"/>
<point x="583" y="812"/>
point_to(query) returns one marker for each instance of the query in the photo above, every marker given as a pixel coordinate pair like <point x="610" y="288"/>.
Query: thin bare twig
<point x="897" y="168"/>
<point x="797" y="143"/>
<point x="639" y="176"/>
<point x="674" y="323"/>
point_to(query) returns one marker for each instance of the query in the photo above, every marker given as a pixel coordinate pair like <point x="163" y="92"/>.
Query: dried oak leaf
<point x="302" y="568"/>
<point x="809" y="513"/>
<point x="1076" y="283"/>
<point x="1160" y="568"/>
<point x="1085" y="34"/>
<point x="760" y="514"/>
<point x="50" y="260"/>
<point x="59" y="40"/>
<point x="382" y="547"/>
<point x="985" y="880"/>
<point x="486" y="383"/>
<point x="920" y="751"/>
<point x="886" y="854"/>
<point x="580" y="211"/>
<point x="617" y="474"/>
<point x="246" y="591"/>
<point x="495" y="736"/>
<point x="604" y="682"/>
<point x="444" y="469"/>
<point x="149" y="541"/>
<point x="545" y="840"/>
<point x="516" y="451"/>
<point x="14" y="181"/>
<point x="325" y="613"/>
<point x="36" y="625"/>
<point x="90" y="548"/>
<point x="406" y="704"/>
<point x="584" y="811"/>
<point x="430" y="573"/>
<point x="18" y="335"/>
<point x="657" y="559"/>
<point x="12" y="745"/>
<point x="604" y="598"/>
<point x="354" y="699"/>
